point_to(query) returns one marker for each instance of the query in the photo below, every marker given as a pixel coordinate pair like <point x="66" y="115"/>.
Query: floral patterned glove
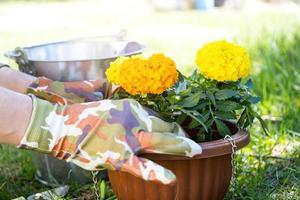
<point x="70" y="92"/>
<point x="107" y="133"/>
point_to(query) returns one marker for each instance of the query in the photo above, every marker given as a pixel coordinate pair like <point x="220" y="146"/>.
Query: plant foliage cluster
<point x="203" y="106"/>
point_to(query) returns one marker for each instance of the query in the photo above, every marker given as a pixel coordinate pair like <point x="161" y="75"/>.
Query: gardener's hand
<point x="70" y="92"/>
<point x="107" y="133"/>
<point x="54" y="91"/>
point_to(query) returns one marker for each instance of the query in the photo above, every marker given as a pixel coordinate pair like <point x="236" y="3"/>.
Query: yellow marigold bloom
<point x="113" y="73"/>
<point x="223" y="61"/>
<point x="138" y="75"/>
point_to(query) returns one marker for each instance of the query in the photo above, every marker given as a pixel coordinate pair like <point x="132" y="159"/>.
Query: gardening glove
<point x="107" y="133"/>
<point x="70" y="92"/>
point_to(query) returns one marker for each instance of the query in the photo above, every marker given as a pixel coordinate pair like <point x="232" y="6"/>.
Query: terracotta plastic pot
<point x="203" y="177"/>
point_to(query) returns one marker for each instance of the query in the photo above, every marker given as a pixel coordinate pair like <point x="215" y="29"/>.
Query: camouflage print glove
<point x="107" y="133"/>
<point x="69" y="92"/>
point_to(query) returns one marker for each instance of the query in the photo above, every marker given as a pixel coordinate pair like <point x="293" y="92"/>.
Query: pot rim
<point x="33" y="59"/>
<point x="211" y="148"/>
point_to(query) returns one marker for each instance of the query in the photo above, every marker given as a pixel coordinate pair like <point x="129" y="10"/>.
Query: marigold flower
<point x="138" y="75"/>
<point x="113" y="73"/>
<point x="223" y="61"/>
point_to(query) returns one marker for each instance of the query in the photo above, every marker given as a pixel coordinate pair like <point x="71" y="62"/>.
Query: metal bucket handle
<point x="120" y="36"/>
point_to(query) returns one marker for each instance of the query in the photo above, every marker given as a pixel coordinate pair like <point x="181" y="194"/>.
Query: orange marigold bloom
<point x="138" y="75"/>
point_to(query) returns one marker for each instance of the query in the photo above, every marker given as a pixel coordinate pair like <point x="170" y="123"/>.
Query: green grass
<point x="269" y="168"/>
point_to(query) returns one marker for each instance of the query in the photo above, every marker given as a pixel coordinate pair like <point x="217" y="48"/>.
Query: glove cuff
<point x="37" y="136"/>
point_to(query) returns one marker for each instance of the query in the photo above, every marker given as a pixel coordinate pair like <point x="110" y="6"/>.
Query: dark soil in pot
<point x="204" y="177"/>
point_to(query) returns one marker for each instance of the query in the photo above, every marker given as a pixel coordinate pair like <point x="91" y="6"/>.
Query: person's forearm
<point x="15" y="114"/>
<point x="15" y="80"/>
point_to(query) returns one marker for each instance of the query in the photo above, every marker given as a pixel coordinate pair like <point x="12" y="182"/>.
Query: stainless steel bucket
<point x="81" y="59"/>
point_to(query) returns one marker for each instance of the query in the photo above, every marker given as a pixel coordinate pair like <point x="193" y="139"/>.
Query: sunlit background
<point x="270" y="167"/>
<point x="169" y="26"/>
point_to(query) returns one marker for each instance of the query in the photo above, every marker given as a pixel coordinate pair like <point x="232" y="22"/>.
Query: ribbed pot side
<point x="204" y="177"/>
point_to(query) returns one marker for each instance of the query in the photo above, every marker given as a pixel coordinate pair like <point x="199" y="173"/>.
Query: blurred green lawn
<point x="269" y="168"/>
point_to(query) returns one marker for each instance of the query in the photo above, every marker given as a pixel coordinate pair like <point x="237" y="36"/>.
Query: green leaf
<point x="209" y="123"/>
<point x="192" y="100"/>
<point x="262" y="122"/>
<point x="194" y="74"/>
<point x="201" y="137"/>
<point x="173" y="99"/>
<point x="242" y="118"/>
<point x="225" y="94"/>
<point x="102" y="190"/>
<point x="249" y="84"/>
<point x="185" y="92"/>
<point x="205" y="116"/>
<point x="182" y="85"/>
<point x="228" y="106"/>
<point x="225" y="115"/>
<point x="195" y="118"/>
<point x="201" y="106"/>
<point x="249" y="118"/>
<point x="193" y="124"/>
<point x="180" y="119"/>
<point x="222" y="128"/>
<point x="210" y="95"/>
<point x="254" y="100"/>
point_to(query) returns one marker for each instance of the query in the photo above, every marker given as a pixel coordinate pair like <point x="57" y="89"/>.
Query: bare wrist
<point x="15" y="80"/>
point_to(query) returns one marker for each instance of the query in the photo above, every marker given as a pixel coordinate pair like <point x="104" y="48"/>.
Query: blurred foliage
<point x="269" y="168"/>
<point x="278" y="79"/>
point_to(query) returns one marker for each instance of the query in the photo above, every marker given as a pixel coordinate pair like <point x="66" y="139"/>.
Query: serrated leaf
<point x="193" y="124"/>
<point x="192" y="100"/>
<point x="225" y="115"/>
<point x="225" y="94"/>
<point x="222" y="128"/>
<point x="201" y="106"/>
<point x="209" y="122"/>
<point x="211" y="97"/>
<point x="228" y="106"/>
<point x="205" y="116"/>
<point x="195" y="118"/>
